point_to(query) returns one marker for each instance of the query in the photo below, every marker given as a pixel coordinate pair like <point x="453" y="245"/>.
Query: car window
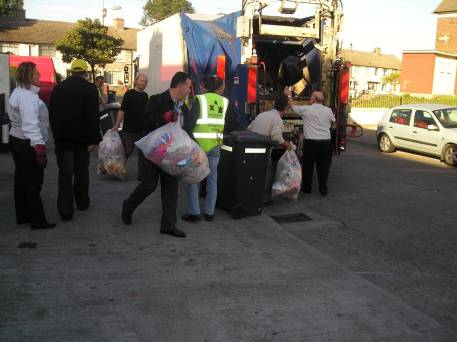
<point x="401" y="116"/>
<point x="447" y="117"/>
<point x="422" y="119"/>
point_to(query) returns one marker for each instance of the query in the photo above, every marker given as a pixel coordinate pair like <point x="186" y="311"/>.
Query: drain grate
<point x="291" y="218"/>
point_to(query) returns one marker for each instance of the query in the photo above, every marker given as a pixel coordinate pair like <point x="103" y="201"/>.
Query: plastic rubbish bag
<point x="288" y="176"/>
<point x="111" y="155"/>
<point x="171" y="148"/>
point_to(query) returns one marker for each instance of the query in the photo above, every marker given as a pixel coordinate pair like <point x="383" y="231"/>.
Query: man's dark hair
<point x="281" y="102"/>
<point x="98" y="78"/>
<point x="212" y="82"/>
<point x="179" y="78"/>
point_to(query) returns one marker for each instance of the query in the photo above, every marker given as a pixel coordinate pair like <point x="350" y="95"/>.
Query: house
<point x="368" y="71"/>
<point x="434" y="71"/>
<point x="33" y="37"/>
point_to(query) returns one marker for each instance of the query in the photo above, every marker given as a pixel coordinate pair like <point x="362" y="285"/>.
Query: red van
<point x="45" y="66"/>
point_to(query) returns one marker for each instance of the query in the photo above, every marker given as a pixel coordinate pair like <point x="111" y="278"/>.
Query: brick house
<point x="368" y="71"/>
<point x="34" y="37"/>
<point x="435" y="71"/>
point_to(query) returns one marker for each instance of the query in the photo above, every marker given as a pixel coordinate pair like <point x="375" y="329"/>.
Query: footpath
<point x="254" y="279"/>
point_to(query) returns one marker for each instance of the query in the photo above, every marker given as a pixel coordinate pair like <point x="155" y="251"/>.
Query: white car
<point x="426" y="128"/>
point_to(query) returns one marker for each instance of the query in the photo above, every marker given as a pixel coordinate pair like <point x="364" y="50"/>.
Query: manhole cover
<point x="291" y="218"/>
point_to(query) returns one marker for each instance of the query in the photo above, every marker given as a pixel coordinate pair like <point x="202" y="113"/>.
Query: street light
<point x="105" y="11"/>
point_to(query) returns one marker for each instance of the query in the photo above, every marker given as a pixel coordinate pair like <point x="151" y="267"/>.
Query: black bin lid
<point x="246" y="137"/>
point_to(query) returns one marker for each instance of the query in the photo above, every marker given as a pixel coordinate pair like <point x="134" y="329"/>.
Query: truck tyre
<point x="385" y="144"/>
<point x="450" y="155"/>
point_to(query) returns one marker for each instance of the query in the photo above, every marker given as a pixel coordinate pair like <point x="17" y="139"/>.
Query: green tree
<point x="9" y="7"/>
<point x="156" y="10"/>
<point x="89" y="40"/>
<point x="393" y="78"/>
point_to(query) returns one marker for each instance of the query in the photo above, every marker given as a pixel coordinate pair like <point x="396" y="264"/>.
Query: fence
<point x="387" y="101"/>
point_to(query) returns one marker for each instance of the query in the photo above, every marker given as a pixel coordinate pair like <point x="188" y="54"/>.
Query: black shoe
<point x="82" y="208"/>
<point x="126" y="215"/>
<point x="208" y="218"/>
<point x="268" y="202"/>
<point x="22" y="221"/>
<point x="66" y="217"/>
<point x="306" y="190"/>
<point x="173" y="231"/>
<point x="191" y="218"/>
<point x="44" y="225"/>
<point x="324" y="192"/>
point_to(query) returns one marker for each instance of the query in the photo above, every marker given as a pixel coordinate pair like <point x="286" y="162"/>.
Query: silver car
<point x="426" y="128"/>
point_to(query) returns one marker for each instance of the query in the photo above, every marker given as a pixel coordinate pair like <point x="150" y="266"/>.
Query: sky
<point x="392" y="25"/>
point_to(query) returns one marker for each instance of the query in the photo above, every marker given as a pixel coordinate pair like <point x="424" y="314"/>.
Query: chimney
<point x="118" y="24"/>
<point x="377" y="51"/>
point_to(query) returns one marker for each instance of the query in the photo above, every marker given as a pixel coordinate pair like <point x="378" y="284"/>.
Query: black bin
<point x="242" y="171"/>
<point x="4" y="126"/>
<point x="107" y="119"/>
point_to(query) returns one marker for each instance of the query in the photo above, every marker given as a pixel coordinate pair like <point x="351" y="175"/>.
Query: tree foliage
<point x="89" y="40"/>
<point x="156" y="10"/>
<point x="393" y="78"/>
<point x="9" y="7"/>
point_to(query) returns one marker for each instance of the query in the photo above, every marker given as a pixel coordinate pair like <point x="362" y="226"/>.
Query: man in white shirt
<point x="317" y="147"/>
<point x="270" y="124"/>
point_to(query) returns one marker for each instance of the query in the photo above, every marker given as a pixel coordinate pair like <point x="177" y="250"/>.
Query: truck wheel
<point x="450" y="155"/>
<point x="385" y="144"/>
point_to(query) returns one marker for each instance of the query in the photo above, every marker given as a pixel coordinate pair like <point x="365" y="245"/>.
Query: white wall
<point x="4" y="76"/>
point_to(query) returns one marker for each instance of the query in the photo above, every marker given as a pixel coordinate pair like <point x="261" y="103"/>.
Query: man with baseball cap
<point x="74" y="118"/>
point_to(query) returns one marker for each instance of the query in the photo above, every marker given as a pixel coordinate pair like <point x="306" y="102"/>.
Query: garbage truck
<point x="259" y="50"/>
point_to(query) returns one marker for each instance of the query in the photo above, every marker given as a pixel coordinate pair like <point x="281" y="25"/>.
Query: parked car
<point x="426" y="128"/>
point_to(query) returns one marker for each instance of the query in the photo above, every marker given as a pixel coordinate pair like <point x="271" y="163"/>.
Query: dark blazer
<point x="73" y="113"/>
<point x="158" y="113"/>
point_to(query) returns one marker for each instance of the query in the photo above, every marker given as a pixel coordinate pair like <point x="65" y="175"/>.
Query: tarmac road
<point x="376" y="262"/>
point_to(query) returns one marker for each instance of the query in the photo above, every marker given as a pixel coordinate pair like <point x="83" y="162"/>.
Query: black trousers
<point x="73" y="179"/>
<point x="28" y="180"/>
<point x="319" y="153"/>
<point x="148" y="175"/>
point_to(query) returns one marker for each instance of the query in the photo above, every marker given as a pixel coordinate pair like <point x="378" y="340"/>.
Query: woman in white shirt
<point x="28" y="134"/>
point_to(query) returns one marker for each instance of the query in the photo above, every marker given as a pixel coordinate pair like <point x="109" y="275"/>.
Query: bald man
<point x="317" y="147"/>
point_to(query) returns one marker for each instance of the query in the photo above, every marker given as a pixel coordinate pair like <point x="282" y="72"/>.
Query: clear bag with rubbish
<point x="288" y="176"/>
<point x="171" y="148"/>
<point x="111" y="156"/>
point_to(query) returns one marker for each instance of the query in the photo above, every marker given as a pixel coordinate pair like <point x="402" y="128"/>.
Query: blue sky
<point x="392" y="25"/>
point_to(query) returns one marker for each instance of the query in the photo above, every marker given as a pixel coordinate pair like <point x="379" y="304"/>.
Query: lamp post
<point x="105" y="11"/>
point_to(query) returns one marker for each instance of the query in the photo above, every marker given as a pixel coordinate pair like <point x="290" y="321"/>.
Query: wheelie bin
<point x="242" y="171"/>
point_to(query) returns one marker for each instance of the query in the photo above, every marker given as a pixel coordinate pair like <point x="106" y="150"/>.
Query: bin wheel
<point x="237" y="212"/>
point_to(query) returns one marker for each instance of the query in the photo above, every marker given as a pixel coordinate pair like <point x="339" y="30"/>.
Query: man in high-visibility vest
<point x="209" y="111"/>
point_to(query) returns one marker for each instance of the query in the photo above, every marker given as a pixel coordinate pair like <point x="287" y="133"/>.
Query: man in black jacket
<point x="74" y="118"/>
<point x="160" y="110"/>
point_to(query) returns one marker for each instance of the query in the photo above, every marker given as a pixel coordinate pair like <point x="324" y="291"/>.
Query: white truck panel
<point x="161" y="53"/>
<point x="5" y="77"/>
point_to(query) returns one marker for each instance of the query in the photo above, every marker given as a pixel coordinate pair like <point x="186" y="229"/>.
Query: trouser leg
<point x="81" y="178"/>
<point x="323" y="162"/>
<point x="308" y="164"/>
<point x="169" y="196"/>
<point x="65" y="163"/>
<point x="30" y="177"/>
<point x="193" y="202"/>
<point x="211" y="181"/>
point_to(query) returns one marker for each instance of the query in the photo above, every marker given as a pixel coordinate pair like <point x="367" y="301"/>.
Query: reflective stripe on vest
<point x="210" y="125"/>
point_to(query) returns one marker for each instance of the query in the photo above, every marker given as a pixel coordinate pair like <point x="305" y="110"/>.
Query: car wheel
<point x="385" y="144"/>
<point x="450" y="155"/>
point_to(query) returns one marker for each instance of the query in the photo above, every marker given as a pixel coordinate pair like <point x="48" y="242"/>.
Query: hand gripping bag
<point x="171" y="148"/>
<point x="288" y="176"/>
<point x="111" y="155"/>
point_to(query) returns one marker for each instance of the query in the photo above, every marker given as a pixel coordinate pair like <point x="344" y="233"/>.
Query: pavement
<point x="95" y="279"/>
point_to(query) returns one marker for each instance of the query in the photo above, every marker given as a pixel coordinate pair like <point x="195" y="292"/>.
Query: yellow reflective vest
<point x="210" y="124"/>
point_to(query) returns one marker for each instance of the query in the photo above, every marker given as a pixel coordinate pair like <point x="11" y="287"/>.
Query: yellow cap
<point x="78" y="65"/>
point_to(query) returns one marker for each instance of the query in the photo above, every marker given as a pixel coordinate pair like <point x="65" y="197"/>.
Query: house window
<point x="373" y="85"/>
<point x="114" y="77"/>
<point x="13" y="48"/>
<point x="47" y="50"/>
